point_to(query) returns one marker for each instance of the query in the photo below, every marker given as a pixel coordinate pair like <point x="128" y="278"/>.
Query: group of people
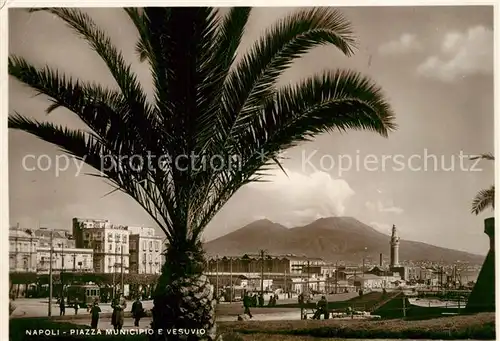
<point x="62" y="306"/>
<point x="256" y="301"/>
<point x="118" y="316"/>
<point x="321" y="307"/>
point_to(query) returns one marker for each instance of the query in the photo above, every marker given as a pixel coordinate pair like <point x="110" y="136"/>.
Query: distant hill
<point x="335" y="238"/>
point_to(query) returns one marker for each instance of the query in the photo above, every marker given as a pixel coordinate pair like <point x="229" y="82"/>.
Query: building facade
<point x="65" y="260"/>
<point x="58" y="238"/>
<point x="145" y="251"/>
<point x="110" y="244"/>
<point x="287" y="264"/>
<point x="22" y="250"/>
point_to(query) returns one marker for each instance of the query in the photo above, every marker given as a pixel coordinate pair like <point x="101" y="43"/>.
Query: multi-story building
<point x="145" y="250"/>
<point x="64" y="259"/>
<point x="22" y="250"/>
<point x="109" y="242"/>
<point x="58" y="238"/>
<point x="288" y="264"/>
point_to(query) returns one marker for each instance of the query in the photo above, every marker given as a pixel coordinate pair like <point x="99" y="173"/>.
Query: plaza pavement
<point x="37" y="307"/>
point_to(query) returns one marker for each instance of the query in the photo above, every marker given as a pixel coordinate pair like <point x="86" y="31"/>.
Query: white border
<point x="4" y="178"/>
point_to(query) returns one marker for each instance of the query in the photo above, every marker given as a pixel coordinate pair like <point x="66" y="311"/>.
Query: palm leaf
<point x="484" y="199"/>
<point x="487" y="156"/>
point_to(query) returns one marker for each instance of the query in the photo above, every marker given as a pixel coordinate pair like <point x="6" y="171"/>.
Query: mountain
<point x="335" y="238"/>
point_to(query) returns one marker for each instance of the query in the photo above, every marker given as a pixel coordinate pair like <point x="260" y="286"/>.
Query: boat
<point x="435" y="303"/>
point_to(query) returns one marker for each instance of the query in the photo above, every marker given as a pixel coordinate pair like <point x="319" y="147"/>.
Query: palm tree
<point x="484" y="198"/>
<point x="209" y="108"/>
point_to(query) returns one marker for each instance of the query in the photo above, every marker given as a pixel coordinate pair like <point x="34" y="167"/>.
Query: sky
<point x="435" y="65"/>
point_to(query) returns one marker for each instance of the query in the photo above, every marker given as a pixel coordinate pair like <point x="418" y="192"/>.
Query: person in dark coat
<point x="246" y="304"/>
<point x="118" y="315"/>
<point x="94" y="312"/>
<point x="62" y="307"/>
<point x="137" y="311"/>
<point x="322" y="309"/>
<point x="77" y="304"/>
<point x="261" y="300"/>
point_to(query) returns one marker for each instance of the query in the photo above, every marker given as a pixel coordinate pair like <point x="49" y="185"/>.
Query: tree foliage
<point x="207" y="103"/>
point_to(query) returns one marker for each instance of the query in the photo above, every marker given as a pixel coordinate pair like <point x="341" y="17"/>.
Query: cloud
<point x="380" y="207"/>
<point x="381" y="227"/>
<point x="461" y="54"/>
<point x="405" y="44"/>
<point x="291" y="201"/>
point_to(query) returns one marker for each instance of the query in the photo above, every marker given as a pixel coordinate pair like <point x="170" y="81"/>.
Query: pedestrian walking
<point x="94" y="312"/>
<point x="77" y="303"/>
<point x="118" y="317"/>
<point x="137" y="311"/>
<point x="246" y="305"/>
<point x="62" y="307"/>
<point x="261" y="300"/>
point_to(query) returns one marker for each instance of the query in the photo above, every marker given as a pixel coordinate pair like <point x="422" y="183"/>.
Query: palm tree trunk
<point x="184" y="298"/>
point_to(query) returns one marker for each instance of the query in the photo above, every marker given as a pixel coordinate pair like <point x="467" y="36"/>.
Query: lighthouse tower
<point x="394" y="247"/>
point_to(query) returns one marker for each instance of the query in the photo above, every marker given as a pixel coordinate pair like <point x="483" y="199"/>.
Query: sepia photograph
<point x="251" y="173"/>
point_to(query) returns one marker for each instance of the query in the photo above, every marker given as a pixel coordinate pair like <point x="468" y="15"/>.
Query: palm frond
<point x="143" y="47"/>
<point x="83" y="24"/>
<point x="253" y="79"/>
<point x="94" y="152"/>
<point x="106" y="112"/>
<point x="219" y="61"/>
<point x="484" y="199"/>
<point x="487" y="156"/>
<point x="337" y="100"/>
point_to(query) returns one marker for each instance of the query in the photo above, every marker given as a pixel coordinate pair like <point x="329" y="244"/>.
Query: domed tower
<point x="394" y="247"/>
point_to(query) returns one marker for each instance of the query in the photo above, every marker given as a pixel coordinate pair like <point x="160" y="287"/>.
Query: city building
<point x="109" y="242"/>
<point x="60" y="238"/>
<point x="285" y="264"/>
<point x="22" y="250"/>
<point x="145" y="251"/>
<point x="64" y="260"/>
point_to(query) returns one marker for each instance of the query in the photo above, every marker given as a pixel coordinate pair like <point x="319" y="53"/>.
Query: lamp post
<point x="217" y="275"/>
<point x="262" y="255"/>
<point x="231" y="279"/>
<point x="121" y="264"/>
<point x="50" y="272"/>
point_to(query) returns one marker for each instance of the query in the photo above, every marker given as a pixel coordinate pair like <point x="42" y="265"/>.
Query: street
<point x="34" y="307"/>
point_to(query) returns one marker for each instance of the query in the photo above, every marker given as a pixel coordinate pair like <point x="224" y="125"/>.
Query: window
<point x="157" y="245"/>
<point x="110" y="247"/>
<point x="150" y="245"/>
<point x="124" y="238"/>
<point x="144" y="245"/>
<point x="86" y="235"/>
<point x="110" y="236"/>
